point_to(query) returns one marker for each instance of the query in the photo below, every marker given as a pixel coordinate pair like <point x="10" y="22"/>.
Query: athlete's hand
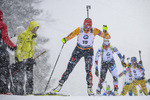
<point x="123" y="64"/>
<point x="63" y="40"/>
<point x="105" y="28"/>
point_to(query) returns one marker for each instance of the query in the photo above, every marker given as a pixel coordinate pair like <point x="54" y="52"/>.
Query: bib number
<point x="85" y="42"/>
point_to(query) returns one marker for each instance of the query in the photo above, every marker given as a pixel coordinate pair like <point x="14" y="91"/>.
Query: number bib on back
<point x="85" y="40"/>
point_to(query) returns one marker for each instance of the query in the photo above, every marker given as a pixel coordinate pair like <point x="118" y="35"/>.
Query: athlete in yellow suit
<point x="128" y="80"/>
<point x="137" y="71"/>
<point x="24" y="59"/>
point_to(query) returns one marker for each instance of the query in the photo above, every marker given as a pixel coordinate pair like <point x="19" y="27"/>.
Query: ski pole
<point x="33" y="59"/>
<point x="140" y="55"/>
<point x="123" y="70"/>
<point x="11" y="81"/>
<point x="53" y="69"/>
<point x="102" y="86"/>
<point x="39" y="55"/>
<point x="88" y="7"/>
<point x="102" y="52"/>
<point x="103" y="42"/>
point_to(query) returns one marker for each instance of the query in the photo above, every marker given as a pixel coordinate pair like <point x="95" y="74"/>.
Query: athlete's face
<point x="87" y="28"/>
<point x="106" y="46"/>
<point x="134" y="63"/>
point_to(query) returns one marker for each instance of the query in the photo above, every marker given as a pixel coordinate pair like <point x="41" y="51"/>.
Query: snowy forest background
<point x="20" y="13"/>
<point x="128" y="24"/>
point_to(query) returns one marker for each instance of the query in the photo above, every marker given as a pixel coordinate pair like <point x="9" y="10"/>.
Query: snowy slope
<point x="71" y="98"/>
<point x="128" y="23"/>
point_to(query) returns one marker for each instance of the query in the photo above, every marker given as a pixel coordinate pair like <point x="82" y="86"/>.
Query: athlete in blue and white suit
<point x="107" y="63"/>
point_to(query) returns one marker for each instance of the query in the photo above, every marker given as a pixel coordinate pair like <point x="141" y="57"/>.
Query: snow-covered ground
<point x="72" y="98"/>
<point x="128" y="24"/>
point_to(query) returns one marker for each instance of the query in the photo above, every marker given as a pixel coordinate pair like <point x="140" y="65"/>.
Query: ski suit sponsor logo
<point x="85" y="36"/>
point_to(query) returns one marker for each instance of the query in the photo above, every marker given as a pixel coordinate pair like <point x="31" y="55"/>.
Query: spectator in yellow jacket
<point x="24" y="59"/>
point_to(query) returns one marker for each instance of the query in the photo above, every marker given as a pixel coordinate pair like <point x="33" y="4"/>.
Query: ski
<point x="51" y="94"/>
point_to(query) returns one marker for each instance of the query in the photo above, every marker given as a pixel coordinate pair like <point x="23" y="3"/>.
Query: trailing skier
<point x="137" y="72"/>
<point x="108" y="92"/>
<point x="84" y="48"/>
<point x="4" y="56"/>
<point x="108" y="63"/>
<point x="128" y="80"/>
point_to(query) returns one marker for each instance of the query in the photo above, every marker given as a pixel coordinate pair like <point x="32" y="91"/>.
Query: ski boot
<point x="116" y="93"/>
<point x="98" y="93"/>
<point x="90" y="91"/>
<point x="116" y="90"/>
<point x="57" y="89"/>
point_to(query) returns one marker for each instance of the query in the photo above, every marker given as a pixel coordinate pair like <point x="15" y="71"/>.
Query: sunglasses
<point x="106" y="46"/>
<point x="87" y="27"/>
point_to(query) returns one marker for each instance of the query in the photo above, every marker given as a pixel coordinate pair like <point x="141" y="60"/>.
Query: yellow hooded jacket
<point x="26" y="42"/>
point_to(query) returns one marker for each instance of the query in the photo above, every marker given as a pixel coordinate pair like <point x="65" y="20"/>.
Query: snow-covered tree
<point x="20" y="13"/>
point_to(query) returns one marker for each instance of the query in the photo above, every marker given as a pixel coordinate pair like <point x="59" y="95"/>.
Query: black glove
<point x="31" y="61"/>
<point x="140" y="62"/>
<point x="34" y="36"/>
<point x="123" y="63"/>
<point x="96" y="72"/>
<point x="13" y="49"/>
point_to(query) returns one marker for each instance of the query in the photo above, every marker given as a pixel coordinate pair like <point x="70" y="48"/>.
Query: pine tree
<point x="20" y="13"/>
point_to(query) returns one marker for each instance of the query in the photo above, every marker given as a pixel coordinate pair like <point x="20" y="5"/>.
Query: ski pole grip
<point x="140" y="51"/>
<point x="140" y="55"/>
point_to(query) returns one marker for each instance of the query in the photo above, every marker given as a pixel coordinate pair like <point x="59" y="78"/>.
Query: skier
<point x="24" y="59"/>
<point x="4" y="56"/>
<point x="84" y="48"/>
<point x="107" y="63"/>
<point x="137" y="71"/>
<point x="108" y="92"/>
<point x="128" y="80"/>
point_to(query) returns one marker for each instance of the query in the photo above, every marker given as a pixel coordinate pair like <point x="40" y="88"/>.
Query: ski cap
<point x="108" y="88"/>
<point x="106" y="42"/>
<point x="133" y="59"/>
<point x="88" y="22"/>
<point x="1" y="15"/>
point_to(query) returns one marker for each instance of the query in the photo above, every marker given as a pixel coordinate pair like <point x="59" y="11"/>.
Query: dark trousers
<point x="23" y="78"/>
<point x="113" y="70"/>
<point x="76" y="56"/>
<point x="18" y="81"/>
<point x="4" y="71"/>
<point x="29" y="81"/>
